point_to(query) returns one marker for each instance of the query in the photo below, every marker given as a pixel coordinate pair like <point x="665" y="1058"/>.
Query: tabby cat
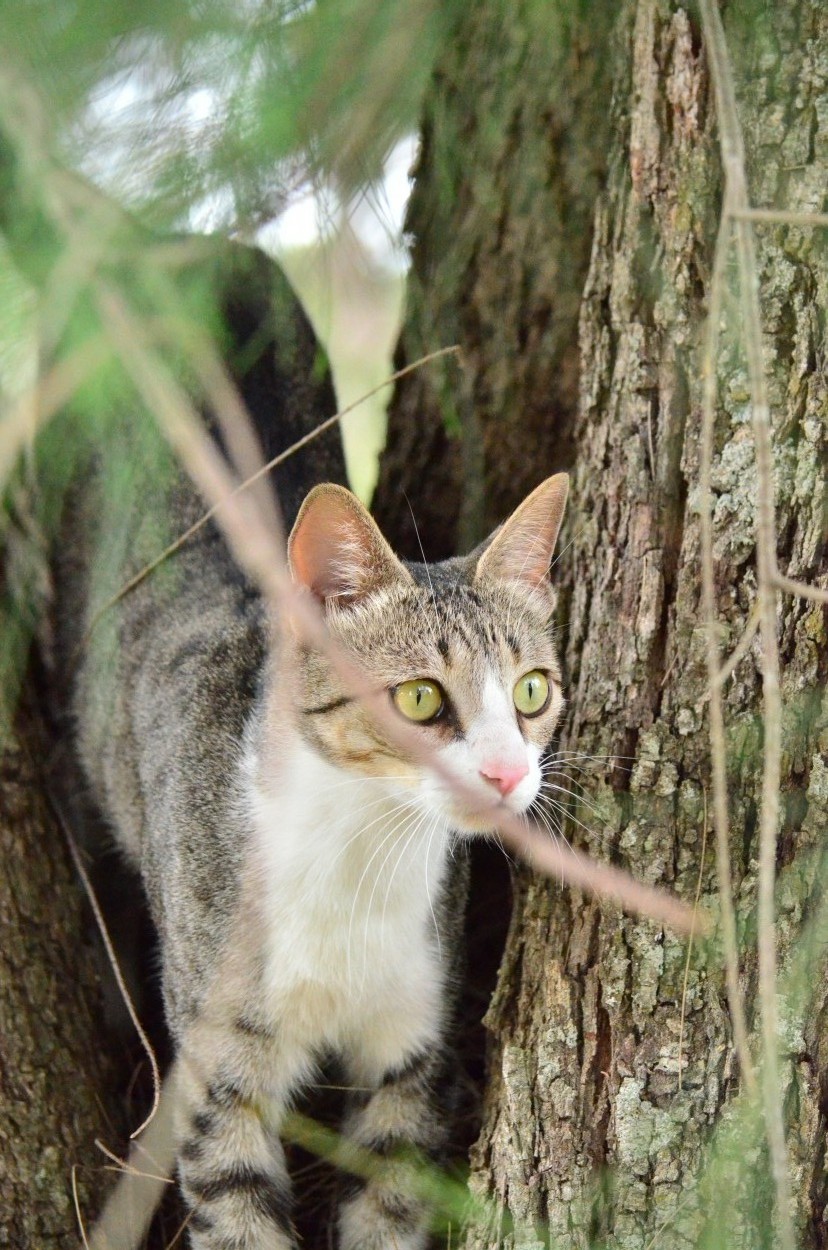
<point x="298" y="866"/>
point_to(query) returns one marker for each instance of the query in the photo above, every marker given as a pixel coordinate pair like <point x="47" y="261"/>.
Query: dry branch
<point x="718" y="751"/>
<point x="735" y="210"/>
<point x="253" y="477"/>
<point x="780" y="217"/>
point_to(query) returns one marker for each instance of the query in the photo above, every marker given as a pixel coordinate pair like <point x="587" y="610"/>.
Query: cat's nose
<point x="504" y="776"/>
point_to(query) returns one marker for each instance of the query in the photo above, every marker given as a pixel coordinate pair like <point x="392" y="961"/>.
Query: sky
<point x="376" y="217"/>
<point x="122" y="132"/>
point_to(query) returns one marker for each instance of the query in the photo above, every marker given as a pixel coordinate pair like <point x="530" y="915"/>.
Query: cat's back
<point x="161" y="680"/>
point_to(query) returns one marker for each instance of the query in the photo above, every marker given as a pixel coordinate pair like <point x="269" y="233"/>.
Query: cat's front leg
<point x="399" y="1122"/>
<point x="231" y="1165"/>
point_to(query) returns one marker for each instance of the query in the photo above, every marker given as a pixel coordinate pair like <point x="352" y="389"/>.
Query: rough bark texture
<point x="593" y="1064"/>
<point x="513" y="148"/>
<point x="54" y="1073"/>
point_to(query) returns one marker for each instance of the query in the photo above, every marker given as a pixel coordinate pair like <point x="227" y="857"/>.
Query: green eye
<point x="531" y="693"/>
<point x="419" y="700"/>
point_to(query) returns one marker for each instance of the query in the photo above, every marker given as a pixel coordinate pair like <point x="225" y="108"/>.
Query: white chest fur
<point x="352" y="870"/>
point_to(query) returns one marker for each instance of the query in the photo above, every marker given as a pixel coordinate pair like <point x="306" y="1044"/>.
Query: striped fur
<point x="298" y="866"/>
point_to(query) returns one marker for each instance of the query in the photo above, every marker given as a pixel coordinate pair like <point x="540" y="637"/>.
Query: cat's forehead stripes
<point x="462" y="622"/>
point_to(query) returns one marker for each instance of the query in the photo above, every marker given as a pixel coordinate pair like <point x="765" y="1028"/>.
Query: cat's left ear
<point x="337" y="551"/>
<point x="521" y="549"/>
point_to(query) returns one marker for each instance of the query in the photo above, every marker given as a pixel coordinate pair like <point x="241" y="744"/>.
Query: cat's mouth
<point x="467" y="821"/>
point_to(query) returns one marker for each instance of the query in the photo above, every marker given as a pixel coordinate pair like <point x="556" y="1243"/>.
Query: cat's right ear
<point x="337" y="551"/>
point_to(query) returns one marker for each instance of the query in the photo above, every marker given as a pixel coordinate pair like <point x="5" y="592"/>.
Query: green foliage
<point x="180" y="106"/>
<point x="187" y="115"/>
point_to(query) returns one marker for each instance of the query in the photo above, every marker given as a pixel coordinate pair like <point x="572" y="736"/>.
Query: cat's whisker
<point x="366" y="869"/>
<point x="562" y="779"/>
<point x="404" y="822"/>
<point x="539" y="816"/>
<point x="382" y="802"/>
<point x="510" y="859"/>
<point x="405" y="806"/>
<point x="368" y="780"/>
<point x="566" y="772"/>
<point x="364" y="829"/>
<point x="388" y="812"/>
<point x="408" y="813"/>
<point x="566" y="814"/>
<point x="402" y="844"/>
<point x="580" y="778"/>
<point x="389" y="884"/>
<point x="546" y="786"/>
<point x="555" y="831"/>
<point x="572" y="785"/>
<point x="403" y="841"/>
<point x="612" y="757"/>
<point x="432" y="832"/>
<point x="566" y="547"/>
<point x="497" y="840"/>
<point x="435" y="629"/>
<point x="556" y="806"/>
<point x="574" y="789"/>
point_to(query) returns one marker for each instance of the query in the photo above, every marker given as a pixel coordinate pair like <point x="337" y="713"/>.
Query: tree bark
<point x="613" y="1108"/>
<point x="513" y="150"/>
<point x="55" y="1077"/>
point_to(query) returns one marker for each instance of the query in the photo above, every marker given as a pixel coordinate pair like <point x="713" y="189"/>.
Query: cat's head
<point x="464" y="650"/>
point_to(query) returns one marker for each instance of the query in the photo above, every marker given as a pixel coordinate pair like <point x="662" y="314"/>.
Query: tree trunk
<point x="55" y="1078"/>
<point x="613" y="1109"/>
<point x="513" y="150"/>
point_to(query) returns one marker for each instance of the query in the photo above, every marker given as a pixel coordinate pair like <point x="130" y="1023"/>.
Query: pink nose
<point x="504" y="776"/>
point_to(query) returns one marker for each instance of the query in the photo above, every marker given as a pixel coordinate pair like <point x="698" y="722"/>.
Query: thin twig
<point x="736" y="201"/>
<point x="741" y="649"/>
<point x="129" y="1209"/>
<point x="124" y="1165"/>
<point x="779" y="216"/>
<point x="793" y="587"/>
<point x="113" y="961"/>
<point x="76" y="1201"/>
<point x="179" y="542"/>
<point x="718" y="749"/>
<point x="671" y="1219"/>
<point x="690" y="941"/>
<point x="182" y="1228"/>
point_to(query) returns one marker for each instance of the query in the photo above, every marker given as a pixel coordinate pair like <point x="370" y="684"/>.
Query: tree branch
<point x="718" y="749"/>
<point x="735" y="206"/>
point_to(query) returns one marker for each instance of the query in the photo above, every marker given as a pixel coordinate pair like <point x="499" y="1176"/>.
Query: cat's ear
<point x="521" y="549"/>
<point x="337" y="551"/>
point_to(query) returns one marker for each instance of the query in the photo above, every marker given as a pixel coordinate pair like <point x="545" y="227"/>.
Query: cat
<point x="300" y="869"/>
